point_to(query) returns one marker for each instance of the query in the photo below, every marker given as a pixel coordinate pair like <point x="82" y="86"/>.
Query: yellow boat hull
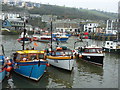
<point x="61" y="57"/>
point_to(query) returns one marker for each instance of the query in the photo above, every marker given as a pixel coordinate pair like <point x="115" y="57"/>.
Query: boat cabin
<point x="111" y="44"/>
<point x="28" y="55"/>
<point x="62" y="53"/>
<point x="90" y="49"/>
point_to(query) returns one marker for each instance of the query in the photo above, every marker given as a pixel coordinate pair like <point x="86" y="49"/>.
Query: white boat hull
<point x="66" y="64"/>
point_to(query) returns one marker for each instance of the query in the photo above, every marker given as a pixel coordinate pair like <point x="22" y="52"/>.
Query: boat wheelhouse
<point x="92" y="54"/>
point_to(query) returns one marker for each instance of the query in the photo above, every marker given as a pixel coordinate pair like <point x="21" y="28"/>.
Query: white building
<point x="90" y="27"/>
<point x="10" y="15"/>
<point x="111" y="26"/>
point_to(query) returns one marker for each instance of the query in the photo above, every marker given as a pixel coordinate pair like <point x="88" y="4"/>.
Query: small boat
<point x="44" y="38"/>
<point x="25" y="38"/>
<point x="111" y="46"/>
<point x="61" y="57"/>
<point x="60" y="37"/>
<point x="92" y="54"/>
<point x="30" y="63"/>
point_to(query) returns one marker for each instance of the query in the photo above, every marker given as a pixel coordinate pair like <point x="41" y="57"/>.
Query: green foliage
<point x="65" y="12"/>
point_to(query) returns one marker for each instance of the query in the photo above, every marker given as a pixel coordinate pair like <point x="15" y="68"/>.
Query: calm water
<point x="84" y="75"/>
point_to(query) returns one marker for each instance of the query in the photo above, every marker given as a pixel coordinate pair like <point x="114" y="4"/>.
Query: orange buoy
<point x="58" y="48"/>
<point x="8" y="69"/>
<point x="80" y="56"/>
<point x="9" y="63"/>
<point x="47" y="64"/>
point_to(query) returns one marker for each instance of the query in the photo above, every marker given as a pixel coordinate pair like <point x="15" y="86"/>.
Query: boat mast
<point x="51" y="34"/>
<point x="23" y="45"/>
<point x="3" y="52"/>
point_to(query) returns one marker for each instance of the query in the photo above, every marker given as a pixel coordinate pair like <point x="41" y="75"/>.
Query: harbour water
<point x="84" y="75"/>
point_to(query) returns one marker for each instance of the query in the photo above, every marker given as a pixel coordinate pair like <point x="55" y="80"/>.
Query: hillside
<point x="64" y="12"/>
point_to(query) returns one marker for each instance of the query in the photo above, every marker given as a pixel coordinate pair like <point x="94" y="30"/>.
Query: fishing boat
<point x="30" y="63"/>
<point x="25" y="38"/>
<point x="91" y="53"/>
<point x="60" y="56"/>
<point x="111" y="46"/>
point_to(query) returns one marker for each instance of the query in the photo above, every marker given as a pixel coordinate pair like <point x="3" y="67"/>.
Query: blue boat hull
<point x="31" y="70"/>
<point x="62" y="39"/>
<point x="2" y="75"/>
<point x="2" y="72"/>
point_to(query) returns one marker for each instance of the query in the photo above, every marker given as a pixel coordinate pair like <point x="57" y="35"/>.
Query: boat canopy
<point x="29" y="51"/>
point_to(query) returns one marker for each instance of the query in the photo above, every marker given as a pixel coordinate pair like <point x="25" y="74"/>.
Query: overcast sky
<point x="105" y="5"/>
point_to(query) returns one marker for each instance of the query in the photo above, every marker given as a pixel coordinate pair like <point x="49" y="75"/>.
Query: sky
<point x="103" y="5"/>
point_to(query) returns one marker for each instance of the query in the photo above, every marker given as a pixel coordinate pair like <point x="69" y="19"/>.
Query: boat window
<point x="98" y="50"/>
<point x="92" y="50"/>
<point x="59" y="53"/>
<point x="86" y="50"/>
<point x="108" y="43"/>
<point x="41" y="56"/>
<point x="24" y="55"/>
<point x="33" y="56"/>
<point x="18" y="57"/>
<point x="68" y="53"/>
<point x="53" y="53"/>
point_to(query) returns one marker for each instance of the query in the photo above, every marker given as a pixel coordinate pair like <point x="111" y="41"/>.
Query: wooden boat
<point x="30" y="63"/>
<point x="111" y="46"/>
<point x="61" y="57"/>
<point x="25" y="38"/>
<point x="92" y="54"/>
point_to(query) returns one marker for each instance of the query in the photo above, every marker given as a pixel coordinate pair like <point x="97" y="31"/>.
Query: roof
<point x="29" y="51"/>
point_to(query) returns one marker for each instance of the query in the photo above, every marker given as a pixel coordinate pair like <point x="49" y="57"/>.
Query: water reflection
<point x="18" y="81"/>
<point x="86" y="74"/>
<point x="89" y="68"/>
<point x="59" y="78"/>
